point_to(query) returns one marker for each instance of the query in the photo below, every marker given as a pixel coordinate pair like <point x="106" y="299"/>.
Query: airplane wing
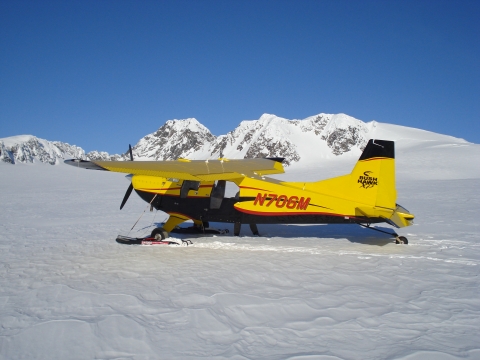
<point x="198" y="170"/>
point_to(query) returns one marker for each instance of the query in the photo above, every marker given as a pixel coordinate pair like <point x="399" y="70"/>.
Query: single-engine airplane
<point x="195" y="190"/>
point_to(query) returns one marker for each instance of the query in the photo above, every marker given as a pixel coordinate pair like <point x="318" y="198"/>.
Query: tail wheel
<point x="401" y="240"/>
<point x="159" y="234"/>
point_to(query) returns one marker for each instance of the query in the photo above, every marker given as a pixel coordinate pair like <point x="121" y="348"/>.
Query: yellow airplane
<point x="195" y="190"/>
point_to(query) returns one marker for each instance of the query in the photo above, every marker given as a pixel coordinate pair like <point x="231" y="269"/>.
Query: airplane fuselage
<point x="199" y="208"/>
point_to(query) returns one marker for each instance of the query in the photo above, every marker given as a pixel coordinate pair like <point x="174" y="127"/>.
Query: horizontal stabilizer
<point x="401" y="217"/>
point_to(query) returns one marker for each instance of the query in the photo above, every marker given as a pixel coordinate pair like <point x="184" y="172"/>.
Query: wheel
<point x="401" y="240"/>
<point x="159" y="234"/>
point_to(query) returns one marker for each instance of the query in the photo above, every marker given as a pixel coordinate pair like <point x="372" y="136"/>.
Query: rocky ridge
<point x="325" y="135"/>
<point x="269" y="136"/>
<point x="30" y="149"/>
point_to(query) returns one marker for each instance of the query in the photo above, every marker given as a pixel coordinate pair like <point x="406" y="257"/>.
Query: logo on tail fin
<point x="367" y="181"/>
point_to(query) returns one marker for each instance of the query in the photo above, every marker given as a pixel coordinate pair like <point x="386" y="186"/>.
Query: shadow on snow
<point x="352" y="232"/>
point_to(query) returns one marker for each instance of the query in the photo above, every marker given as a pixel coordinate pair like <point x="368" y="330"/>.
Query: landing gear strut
<point x="254" y="229"/>
<point x="237" y="226"/>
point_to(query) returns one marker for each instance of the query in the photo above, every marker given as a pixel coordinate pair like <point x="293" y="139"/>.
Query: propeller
<point x="130" y="151"/>
<point x="127" y="195"/>
<point x="130" y="188"/>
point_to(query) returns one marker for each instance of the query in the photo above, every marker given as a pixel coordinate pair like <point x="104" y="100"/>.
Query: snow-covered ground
<point x="69" y="291"/>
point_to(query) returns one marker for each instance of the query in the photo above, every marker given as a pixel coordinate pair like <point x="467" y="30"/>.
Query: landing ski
<point x="150" y="241"/>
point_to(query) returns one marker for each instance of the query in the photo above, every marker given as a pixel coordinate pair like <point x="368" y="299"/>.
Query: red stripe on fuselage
<point x="262" y="213"/>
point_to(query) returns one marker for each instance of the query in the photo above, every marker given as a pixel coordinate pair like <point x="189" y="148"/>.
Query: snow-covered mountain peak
<point x="30" y="149"/>
<point x="12" y="140"/>
<point x="175" y="139"/>
<point x="191" y="123"/>
<point x="268" y="118"/>
<point x="316" y="137"/>
<point x="344" y="120"/>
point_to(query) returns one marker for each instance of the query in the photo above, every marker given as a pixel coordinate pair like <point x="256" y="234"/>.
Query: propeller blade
<point x="130" y="150"/>
<point x="127" y="195"/>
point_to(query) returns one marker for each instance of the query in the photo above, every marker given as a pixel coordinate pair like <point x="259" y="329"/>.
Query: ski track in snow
<point x="69" y="291"/>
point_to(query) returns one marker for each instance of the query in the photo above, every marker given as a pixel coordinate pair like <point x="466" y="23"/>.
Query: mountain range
<point x="316" y="137"/>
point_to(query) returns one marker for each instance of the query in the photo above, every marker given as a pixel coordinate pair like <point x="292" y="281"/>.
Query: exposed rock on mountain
<point x="315" y="124"/>
<point x="343" y="132"/>
<point x="267" y="137"/>
<point x="102" y="155"/>
<point x="6" y="155"/>
<point x="176" y="139"/>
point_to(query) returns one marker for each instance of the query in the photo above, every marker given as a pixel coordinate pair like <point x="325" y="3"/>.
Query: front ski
<point x="149" y="241"/>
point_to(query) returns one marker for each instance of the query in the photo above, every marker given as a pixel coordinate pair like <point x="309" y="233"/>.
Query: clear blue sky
<point x="102" y="74"/>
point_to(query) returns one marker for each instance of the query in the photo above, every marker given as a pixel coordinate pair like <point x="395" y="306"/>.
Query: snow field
<point x="68" y="290"/>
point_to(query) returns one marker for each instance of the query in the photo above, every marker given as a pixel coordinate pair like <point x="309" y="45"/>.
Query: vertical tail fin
<point x="373" y="176"/>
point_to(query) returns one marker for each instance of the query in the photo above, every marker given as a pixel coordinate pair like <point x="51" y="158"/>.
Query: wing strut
<point x="217" y="195"/>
